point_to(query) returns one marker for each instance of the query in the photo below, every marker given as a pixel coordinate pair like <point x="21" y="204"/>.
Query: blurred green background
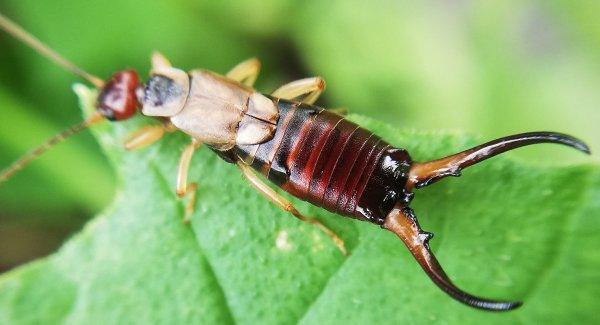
<point x="490" y="68"/>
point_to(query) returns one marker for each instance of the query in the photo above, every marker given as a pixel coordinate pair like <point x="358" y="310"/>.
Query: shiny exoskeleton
<point x="312" y="153"/>
<point x="321" y="157"/>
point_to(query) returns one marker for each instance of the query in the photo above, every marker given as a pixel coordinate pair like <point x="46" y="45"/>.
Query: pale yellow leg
<point x="339" y="110"/>
<point x="191" y="190"/>
<point x="309" y="88"/>
<point x="183" y="188"/>
<point x="147" y="135"/>
<point x="159" y="61"/>
<point x="279" y="200"/>
<point x="245" y="72"/>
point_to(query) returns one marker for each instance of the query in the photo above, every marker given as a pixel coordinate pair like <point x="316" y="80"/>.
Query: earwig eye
<point x="118" y="100"/>
<point x="166" y="92"/>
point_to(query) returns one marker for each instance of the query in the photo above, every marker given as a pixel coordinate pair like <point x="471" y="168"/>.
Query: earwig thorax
<point x="118" y="99"/>
<point x="166" y="92"/>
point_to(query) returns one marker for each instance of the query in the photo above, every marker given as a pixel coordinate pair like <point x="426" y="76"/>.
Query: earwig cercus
<point x="312" y="153"/>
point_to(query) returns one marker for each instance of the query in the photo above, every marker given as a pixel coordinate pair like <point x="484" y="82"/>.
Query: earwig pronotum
<point x="312" y="153"/>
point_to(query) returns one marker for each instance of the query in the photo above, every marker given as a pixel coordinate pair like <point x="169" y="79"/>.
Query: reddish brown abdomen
<point x="322" y="158"/>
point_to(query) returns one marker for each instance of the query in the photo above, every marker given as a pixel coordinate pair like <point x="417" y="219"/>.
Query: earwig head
<point x="118" y="100"/>
<point x="167" y="90"/>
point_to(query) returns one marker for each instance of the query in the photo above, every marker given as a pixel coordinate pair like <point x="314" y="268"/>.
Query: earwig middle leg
<point x="279" y="200"/>
<point x="245" y="72"/>
<point x="183" y="188"/>
<point x="339" y="110"/>
<point x="309" y="88"/>
<point x="147" y="135"/>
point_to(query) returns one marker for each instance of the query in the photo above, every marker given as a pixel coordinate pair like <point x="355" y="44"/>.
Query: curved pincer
<point x="402" y="222"/>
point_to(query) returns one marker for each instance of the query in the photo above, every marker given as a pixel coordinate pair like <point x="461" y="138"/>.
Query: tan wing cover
<point x="221" y="112"/>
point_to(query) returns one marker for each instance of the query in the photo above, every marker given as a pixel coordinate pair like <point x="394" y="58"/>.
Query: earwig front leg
<point x="182" y="187"/>
<point x="191" y="190"/>
<point x="159" y="61"/>
<point x="309" y="88"/>
<point x="245" y="72"/>
<point x="279" y="200"/>
<point x="147" y="135"/>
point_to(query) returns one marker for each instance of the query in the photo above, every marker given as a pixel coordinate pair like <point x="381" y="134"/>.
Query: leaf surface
<point x="506" y="229"/>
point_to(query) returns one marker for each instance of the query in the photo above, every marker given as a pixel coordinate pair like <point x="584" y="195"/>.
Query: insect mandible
<point x="312" y="153"/>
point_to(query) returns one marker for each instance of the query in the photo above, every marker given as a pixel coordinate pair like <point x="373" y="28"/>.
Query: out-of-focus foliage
<point x="242" y="260"/>
<point x="489" y="68"/>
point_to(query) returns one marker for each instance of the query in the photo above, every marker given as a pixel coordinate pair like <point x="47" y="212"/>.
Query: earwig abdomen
<point x="322" y="158"/>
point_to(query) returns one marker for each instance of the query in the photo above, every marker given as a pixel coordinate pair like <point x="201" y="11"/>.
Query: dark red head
<point x="118" y="100"/>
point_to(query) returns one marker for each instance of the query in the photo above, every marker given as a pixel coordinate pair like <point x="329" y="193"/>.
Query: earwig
<point x="312" y="153"/>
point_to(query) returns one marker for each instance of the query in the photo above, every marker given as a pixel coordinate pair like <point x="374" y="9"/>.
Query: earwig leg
<point x="159" y="61"/>
<point x="423" y="174"/>
<point x="146" y="136"/>
<point x="277" y="199"/>
<point x="245" y="72"/>
<point x="183" y="188"/>
<point x="184" y="166"/>
<point x="191" y="191"/>
<point x="339" y="110"/>
<point x="402" y="222"/>
<point x="309" y="88"/>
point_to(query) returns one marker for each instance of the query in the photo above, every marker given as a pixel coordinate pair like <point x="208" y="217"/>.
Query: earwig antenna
<point x="402" y="222"/>
<point x="20" y="34"/>
<point x="58" y="138"/>
<point x="423" y="174"/>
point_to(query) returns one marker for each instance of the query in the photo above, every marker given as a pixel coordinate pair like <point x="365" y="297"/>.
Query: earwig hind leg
<point x="147" y="135"/>
<point x="402" y="222"/>
<point x="423" y="174"/>
<point x="339" y="110"/>
<point x="309" y="89"/>
<point x="245" y="72"/>
<point x="277" y="199"/>
<point x="184" y="189"/>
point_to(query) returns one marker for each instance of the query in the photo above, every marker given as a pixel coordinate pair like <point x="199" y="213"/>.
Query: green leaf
<point x="71" y="180"/>
<point x="506" y="229"/>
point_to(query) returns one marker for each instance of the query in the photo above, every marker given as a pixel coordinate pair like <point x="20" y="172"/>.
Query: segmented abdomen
<point x="322" y="158"/>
